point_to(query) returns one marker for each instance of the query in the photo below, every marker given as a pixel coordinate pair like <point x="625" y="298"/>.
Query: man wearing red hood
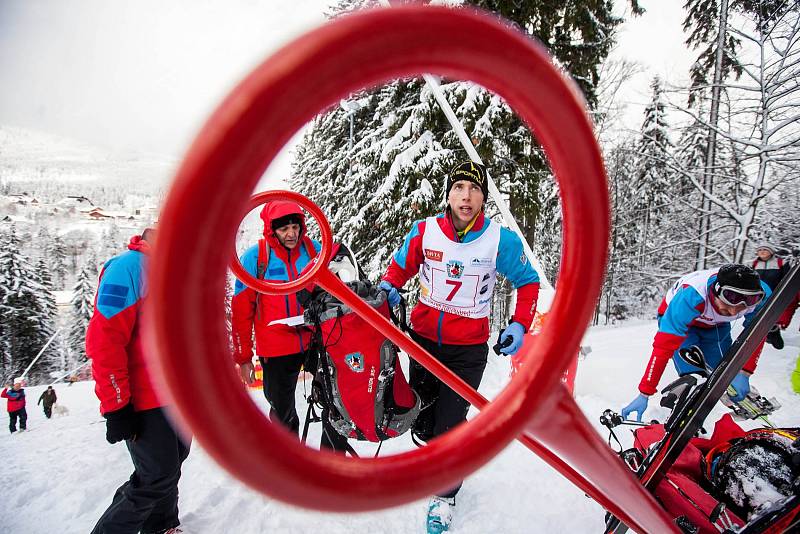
<point x="130" y="401"/>
<point x="280" y="256"/>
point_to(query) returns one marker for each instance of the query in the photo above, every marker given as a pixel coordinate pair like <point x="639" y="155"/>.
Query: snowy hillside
<point x="27" y="155"/>
<point x="61" y="475"/>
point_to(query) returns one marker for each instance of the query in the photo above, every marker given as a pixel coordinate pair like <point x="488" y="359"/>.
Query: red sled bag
<point x="358" y="376"/>
<point x="681" y="493"/>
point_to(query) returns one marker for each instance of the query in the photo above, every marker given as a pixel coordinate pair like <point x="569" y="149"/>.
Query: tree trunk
<point x="711" y="147"/>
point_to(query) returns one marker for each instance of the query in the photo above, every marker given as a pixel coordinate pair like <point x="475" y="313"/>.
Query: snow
<point x="758" y="469"/>
<point x="61" y="475"/>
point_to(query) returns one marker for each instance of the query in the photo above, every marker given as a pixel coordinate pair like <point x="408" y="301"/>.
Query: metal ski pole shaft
<point x="25" y="372"/>
<point x="81" y="366"/>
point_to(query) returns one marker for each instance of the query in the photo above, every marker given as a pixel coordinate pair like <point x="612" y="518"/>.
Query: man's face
<point x="465" y="200"/>
<point x="288" y="235"/>
<point x="726" y="310"/>
<point x="763" y="254"/>
<point x="17" y="386"/>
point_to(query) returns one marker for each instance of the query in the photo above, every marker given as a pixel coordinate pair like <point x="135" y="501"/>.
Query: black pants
<point x="20" y="414"/>
<point x="280" y="381"/>
<point x="148" y="501"/>
<point x="443" y="408"/>
<point x="48" y="410"/>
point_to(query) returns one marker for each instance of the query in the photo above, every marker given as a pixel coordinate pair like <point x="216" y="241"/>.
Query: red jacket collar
<point x="449" y="228"/>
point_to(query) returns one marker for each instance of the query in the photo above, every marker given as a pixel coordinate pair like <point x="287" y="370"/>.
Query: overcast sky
<point x="134" y="74"/>
<point x="143" y="75"/>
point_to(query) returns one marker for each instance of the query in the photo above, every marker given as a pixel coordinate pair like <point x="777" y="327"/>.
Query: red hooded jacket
<point x="114" y="337"/>
<point x="252" y="311"/>
<point x="16" y="399"/>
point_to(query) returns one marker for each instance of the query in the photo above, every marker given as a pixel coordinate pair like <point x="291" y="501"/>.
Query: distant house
<point x="146" y="212"/>
<point x="20" y="198"/>
<point x="97" y="214"/>
<point x="77" y="202"/>
<point x="15" y="219"/>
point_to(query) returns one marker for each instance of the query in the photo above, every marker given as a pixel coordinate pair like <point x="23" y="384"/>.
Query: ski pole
<point x="25" y="372"/>
<point x="81" y="366"/>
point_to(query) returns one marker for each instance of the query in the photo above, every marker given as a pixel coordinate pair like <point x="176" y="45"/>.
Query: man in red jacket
<point x="148" y="502"/>
<point x="16" y="406"/>
<point x="280" y="256"/>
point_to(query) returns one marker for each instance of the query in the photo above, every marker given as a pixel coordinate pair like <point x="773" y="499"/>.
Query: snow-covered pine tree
<point x="618" y="299"/>
<point x="58" y="261"/>
<point x="91" y="263"/>
<point x="81" y="309"/>
<point x="111" y="240"/>
<point x="24" y="324"/>
<point x="654" y="189"/>
<point x="392" y="170"/>
<point x="43" y="240"/>
<point x="50" y="315"/>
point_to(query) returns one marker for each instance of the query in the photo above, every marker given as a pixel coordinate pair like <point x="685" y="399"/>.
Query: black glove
<point x="122" y="424"/>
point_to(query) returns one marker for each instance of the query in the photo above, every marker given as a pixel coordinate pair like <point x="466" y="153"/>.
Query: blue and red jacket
<point x="16" y="399"/>
<point x="449" y="329"/>
<point x="252" y="311"/>
<point x="114" y="337"/>
<point x="690" y="307"/>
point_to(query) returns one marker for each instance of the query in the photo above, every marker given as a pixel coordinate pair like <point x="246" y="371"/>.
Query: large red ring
<point x="228" y="158"/>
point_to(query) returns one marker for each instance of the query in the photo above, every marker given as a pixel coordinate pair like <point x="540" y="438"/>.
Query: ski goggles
<point x="733" y="296"/>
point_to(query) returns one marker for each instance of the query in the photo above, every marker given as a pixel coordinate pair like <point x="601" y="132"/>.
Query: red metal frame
<point x="323" y="258"/>
<point x="184" y="314"/>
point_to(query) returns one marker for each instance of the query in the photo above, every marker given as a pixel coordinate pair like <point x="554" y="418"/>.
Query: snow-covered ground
<point x="61" y="474"/>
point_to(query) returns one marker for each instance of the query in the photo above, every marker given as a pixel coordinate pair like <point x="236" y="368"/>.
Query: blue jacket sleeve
<point x="684" y="308"/>
<point x="512" y="262"/>
<point x="249" y="260"/>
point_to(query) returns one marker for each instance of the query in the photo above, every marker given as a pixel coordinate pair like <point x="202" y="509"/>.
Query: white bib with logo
<point x="699" y="281"/>
<point x="459" y="278"/>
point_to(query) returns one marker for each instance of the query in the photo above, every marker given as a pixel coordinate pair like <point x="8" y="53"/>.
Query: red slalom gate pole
<point x="565" y="419"/>
<point x="184" y="314"/>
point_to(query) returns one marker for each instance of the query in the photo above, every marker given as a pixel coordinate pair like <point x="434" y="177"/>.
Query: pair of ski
<point x="684" y="424"/>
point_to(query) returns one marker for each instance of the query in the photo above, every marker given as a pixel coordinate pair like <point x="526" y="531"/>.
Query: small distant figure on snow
<point x="771" y="268"/>
<point x="16" y="405"/>
<point x="47" y="399"/>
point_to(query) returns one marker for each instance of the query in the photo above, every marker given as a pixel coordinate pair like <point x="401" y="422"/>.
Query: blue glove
<point x="515" y="331"/>
<point x="741" y="383"/>
<point x="638" y="405"/>
<point x="392" y="295"/>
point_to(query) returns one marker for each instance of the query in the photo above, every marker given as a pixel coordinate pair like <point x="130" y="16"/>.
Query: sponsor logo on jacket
<point x="455" y="269"/>
<point x="476" y="262"/>
<point x="434" y="255"/>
